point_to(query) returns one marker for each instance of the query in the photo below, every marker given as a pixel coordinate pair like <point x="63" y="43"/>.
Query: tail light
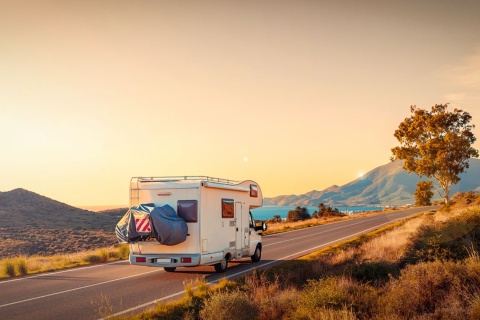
<point x="186" y="260"/>
<point x="140" y="259"/>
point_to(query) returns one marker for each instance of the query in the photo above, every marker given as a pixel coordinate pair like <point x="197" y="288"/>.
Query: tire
<point x="221" y="267"/>
<point x="169" y="269"/>
<point x="258" y="254"/>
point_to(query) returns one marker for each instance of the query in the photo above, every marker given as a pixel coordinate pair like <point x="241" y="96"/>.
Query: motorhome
<point x="191" y="221"/>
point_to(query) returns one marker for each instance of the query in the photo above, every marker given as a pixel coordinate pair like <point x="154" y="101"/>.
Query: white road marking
<point x="75" y="289"/>
<point x="62" y="271"/>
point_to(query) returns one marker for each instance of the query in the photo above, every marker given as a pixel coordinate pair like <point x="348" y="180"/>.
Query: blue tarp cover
<point x="135" y="224"/>
<point x="168" y="228"/>
<point x="146" y="220"/>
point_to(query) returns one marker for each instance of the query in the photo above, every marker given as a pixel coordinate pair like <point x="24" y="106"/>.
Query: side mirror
<point x="262" y="227"/>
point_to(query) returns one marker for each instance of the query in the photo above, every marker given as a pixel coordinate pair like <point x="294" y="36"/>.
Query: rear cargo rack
<point x="134" y="191"/>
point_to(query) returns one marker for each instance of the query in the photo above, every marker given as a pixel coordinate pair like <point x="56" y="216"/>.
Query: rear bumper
<point x="165" y="260"/>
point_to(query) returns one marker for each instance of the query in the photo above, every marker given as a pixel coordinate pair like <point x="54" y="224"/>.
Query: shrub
<point x="123" y="251"/>
<point x="276" y="219"/>
<point x="475" y="307"/>
<point x="449" y="240"/>
<point x="21" y="263"/>
<point x="436" y="289"/>
<point x="103" y="255"/>
<point x="298" y="214"/>
<point x="469" y="197"/>
<point x="376" y="272"/>
<point x="9" y="267"/>
<point x="91" y="258"/>
<point x="336" y="293"/>
<point x="273" y="298"/>
<point x="229" y="305"/>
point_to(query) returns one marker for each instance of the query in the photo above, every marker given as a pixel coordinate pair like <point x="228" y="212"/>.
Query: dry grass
<point x="390" y="246"/>
<point x="278" y="227"/>
<point x="19" y="266"/>
<point x="29" y="240"/>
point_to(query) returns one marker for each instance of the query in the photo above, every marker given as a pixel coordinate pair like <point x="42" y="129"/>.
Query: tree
<point x="321" y="209"/>
<point x="424" y="193"/>
<point x="298" y="214"/>
<point x="276" y="218"/>
<point x="436" y="144"/>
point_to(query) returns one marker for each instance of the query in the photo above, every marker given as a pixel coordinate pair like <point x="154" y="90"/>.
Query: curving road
<point x="118" y="288"/>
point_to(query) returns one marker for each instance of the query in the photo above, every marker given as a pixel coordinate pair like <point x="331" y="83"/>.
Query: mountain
<point x="21" y="207"/>
<point x="389" y="184"/>
<point x="33" y="224"/>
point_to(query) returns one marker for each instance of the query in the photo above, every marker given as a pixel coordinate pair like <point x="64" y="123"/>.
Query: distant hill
<point x="21" y="207"/>
<point x="385" y="185"/>
<point x="34" y="224"/>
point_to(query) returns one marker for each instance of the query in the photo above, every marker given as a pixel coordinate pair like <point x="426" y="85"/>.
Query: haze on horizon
<point x="296" y="95"/>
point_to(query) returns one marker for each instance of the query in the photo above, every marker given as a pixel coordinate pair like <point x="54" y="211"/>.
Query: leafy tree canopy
<point x="424" y="193"/>
<point x="299" y="213"/>
<point x="436" y="144"/>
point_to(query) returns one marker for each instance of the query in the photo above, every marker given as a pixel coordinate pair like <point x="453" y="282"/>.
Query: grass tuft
<point x="19" y="266"/>
<point x="8" y="267"/>
<point x="229" y="305"/>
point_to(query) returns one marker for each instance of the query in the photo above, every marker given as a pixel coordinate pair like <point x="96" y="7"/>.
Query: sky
<point x="295" y="95"/>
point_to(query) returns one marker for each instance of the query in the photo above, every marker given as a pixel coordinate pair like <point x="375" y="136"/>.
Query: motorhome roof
<point x="185" y="178"/>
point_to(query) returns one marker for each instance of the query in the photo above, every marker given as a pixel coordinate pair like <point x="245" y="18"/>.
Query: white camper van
<point x="219" y="224"/>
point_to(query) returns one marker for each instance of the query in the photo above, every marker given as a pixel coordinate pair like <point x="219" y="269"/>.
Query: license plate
<point x="163" y="260"/>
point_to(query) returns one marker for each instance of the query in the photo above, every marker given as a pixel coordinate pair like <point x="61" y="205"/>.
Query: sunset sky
<point x="296" y="95"/>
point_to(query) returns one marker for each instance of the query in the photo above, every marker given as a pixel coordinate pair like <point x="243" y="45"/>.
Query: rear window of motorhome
<point x="227" y="208"/>
<point x="188" y="210"/>
<point x="253" y="190"/>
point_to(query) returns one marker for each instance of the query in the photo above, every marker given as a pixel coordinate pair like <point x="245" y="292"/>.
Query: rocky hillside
<point x="385" y="185"/>
<point x="34" y="224"/>
<point x="19" y="208"/>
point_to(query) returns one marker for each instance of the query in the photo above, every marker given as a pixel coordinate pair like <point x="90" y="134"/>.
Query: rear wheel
<point x="169" y="269"/>
<point x="258" y="254"/>
<point x="221" y="266"/>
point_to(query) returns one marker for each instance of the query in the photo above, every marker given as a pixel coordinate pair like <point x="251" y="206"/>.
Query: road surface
<point x="119" y="288"/>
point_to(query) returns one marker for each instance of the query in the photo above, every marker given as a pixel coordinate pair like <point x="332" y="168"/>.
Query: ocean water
<point x="267" y="212"/>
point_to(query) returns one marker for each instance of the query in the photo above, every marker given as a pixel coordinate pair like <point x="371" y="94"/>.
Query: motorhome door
<point x="239" y="223"/>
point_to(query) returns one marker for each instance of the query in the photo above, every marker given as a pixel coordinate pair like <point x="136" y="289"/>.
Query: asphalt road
<point x="119" y="288"/>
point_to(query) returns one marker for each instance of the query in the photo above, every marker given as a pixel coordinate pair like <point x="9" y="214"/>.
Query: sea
<point x="267" y="212"/>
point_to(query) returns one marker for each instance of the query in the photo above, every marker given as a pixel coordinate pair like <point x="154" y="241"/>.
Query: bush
<point x="440" y="290"/>
<point x="9" y="267"/>
<point x="21" y="266"/>
<point x="469" y="197"/>
<point x="103" y="255"/>
<point x="228" y="306"/>
<point x="376" y="272"/>
<point x="336" y="293"/>
<point x="91" y="258"/>
<point x="276" y="219"/>
<point x="123" y="251"/>
<point x="298" y="214"/>
<point x="453" y="239"/>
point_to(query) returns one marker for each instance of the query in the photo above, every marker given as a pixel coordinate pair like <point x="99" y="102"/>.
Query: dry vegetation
<point x="283" y="226"/>
<point x="30" y="240"/>
<point x="31" y="224"/>
<point x="425" y="268"/>
<point x="23" y="265"/>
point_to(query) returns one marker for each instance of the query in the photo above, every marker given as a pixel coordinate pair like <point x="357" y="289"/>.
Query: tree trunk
<point x="447" y="194"/>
